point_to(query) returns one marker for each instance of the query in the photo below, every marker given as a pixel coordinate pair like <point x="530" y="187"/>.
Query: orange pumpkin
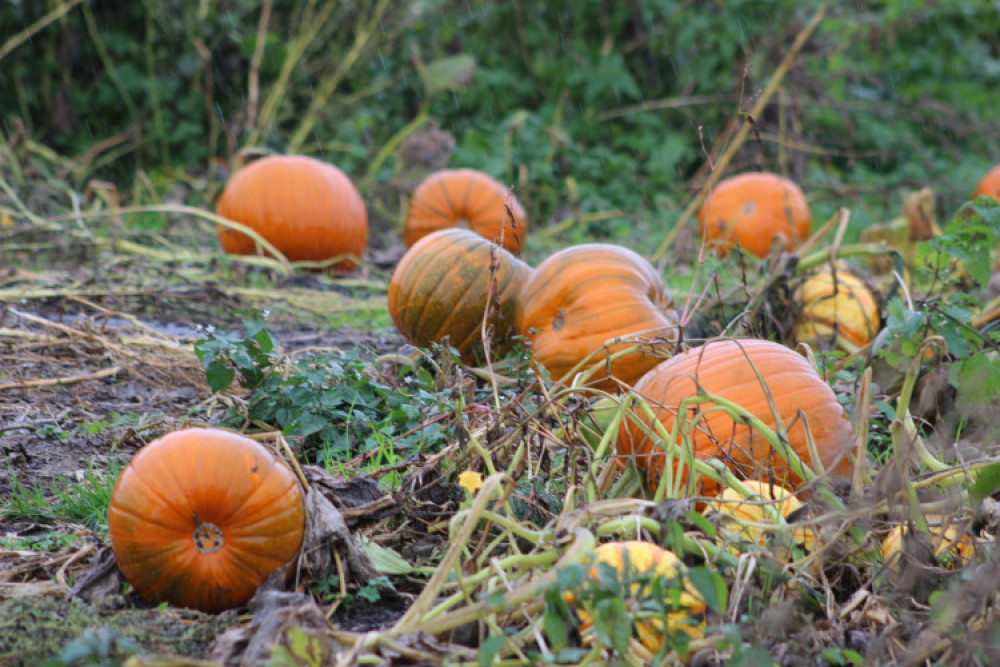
<point x="752" y="210"/>
<point x="200" y="517"/>
<point x="442" y="286"/>
<point x="468" y="199"/>
<point x="636" y="566"/>
<point x="990" y="185"/>
<point x="584" y="296"/>
<point x="307" y="209"/>
<point x="729" y="369"/>
<point x="837" y="311"/>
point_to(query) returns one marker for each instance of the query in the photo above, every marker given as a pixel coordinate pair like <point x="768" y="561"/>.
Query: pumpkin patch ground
<point x="765" y="437"/>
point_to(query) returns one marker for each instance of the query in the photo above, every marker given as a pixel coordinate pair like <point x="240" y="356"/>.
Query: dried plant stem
<point x="362" y="36"/>
<point x="69" y="379"/>
<point x="197" y="213"/>
<point x="253" y="81"/>
<point x="312" y="24"/>
<point x="744" y="131"/>
<point x="36" y="27"/>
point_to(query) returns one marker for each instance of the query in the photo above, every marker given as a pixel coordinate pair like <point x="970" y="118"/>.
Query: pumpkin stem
<point x="208" y="538"/>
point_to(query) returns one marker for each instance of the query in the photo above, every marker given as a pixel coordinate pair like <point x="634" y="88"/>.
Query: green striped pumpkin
<point x="441" y="288"/>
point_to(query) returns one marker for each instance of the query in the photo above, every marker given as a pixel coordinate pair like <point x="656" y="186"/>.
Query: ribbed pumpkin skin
<point x="637" y="564"/>
<point x="308" y="209"/>
<point x="752" y="209"/>
<point x="175" y="488"/>
<point x="990" y="185"/>
<point x="585" y="295"/>
<point x="832" y="310"/>
<point x="470" y="199"/>
<point x="724" y="368"/>
<point x="739" y="511"/>
<point x="441" y="288"/>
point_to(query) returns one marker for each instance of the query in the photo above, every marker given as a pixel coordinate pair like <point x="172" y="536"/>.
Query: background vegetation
<point x="588" y="107"/>
<point x="607" y="117"/>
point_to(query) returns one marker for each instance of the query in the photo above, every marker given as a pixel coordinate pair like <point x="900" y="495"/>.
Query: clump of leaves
<point x="969" y="238"/>
<point x="331" y="404"/>
<point x="952" y="264"/>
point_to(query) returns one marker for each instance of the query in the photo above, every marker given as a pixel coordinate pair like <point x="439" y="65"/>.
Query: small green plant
<point x="961" y="253"/>
<point x="371" y="590"/>
<point x="332" y="405"/>
<point x="113" y="420"/>
<point x="328" y="587"/>
<point x="84" y="501"/>
<point x="249" y="358"/>
<point x="96" y="647"/>
<point x="51" y="541"/>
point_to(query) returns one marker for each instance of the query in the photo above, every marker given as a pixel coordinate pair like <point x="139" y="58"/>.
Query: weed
<point x="330" y="404"/>
<point x="51" y="541"/>
<point x="84" y="501"/>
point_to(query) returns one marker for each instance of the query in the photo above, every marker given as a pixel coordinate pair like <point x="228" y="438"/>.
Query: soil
<point x="95" y="361"/>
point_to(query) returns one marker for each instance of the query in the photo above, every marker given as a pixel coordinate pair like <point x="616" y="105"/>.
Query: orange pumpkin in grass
<point x="586" y="295"/>
<point x="468" y="199"/>
<point x="200" y="517"/>
<point x="307" y="209"/>
<point x="442" y="286"/>
<point x="752" y="210"/>
<point x="729" y="369"/>
<point x="990" y="185"/>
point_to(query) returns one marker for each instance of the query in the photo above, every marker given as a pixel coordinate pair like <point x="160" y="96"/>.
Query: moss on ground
<point x="34" y="629"/>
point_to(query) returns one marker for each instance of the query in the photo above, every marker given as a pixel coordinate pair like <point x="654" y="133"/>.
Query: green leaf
<point x="755" y="656"/>
<point x="220" y="377"/>
<point x="386" y="560"/>
<point x="555" y="625"/>
<point x="612" y="626"/>
<point x="489" y="649"/>
<point x="987" y="483"/>
<point x="978" y="381"/>
<point x="712" y="587"/>
<point x="452" y="73"/>
<point x="701" y="522"/>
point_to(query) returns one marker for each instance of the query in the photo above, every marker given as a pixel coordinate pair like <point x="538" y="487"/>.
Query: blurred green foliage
<point x="583" y="105"/>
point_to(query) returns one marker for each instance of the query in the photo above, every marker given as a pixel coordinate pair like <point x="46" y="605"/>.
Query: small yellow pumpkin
<point x="637" y="565"/>
<point x="741" y="512"/>
<point x="837" y="311"/>
<point x="953" y="545"/>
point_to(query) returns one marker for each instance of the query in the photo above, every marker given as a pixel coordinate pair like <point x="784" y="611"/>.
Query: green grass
<point x="63" y="499"/>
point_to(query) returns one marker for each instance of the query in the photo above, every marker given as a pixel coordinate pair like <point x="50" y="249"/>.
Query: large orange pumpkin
<point x="729" y="369"/>
<point x="307" y="209"/>
<point x="751" y="210"/>
<point x="990" y="185"/>
<point x="468" y="199"/>
<point x="201" y="517"/>
<point x="442" y="286"/>
<point x="584" y="296"/>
